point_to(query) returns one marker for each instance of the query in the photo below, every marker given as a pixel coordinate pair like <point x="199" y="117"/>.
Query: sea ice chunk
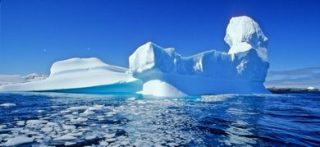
<point x="18" y="140"/>
<point x="7" y="105"/>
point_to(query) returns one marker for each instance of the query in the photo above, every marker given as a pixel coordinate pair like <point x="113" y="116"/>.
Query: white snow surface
<point x="158" y="71"/>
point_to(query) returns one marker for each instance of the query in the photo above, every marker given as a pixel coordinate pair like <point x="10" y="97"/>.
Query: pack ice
<point x="154" y="70"/>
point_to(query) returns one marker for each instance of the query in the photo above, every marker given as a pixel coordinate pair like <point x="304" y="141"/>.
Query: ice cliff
<point x="158" y="71"/>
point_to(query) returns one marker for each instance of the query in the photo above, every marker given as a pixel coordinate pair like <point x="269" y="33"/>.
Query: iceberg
<point x="241" y="70"/>
<point x="158" y="71"/>
<point x="82" y="75"/>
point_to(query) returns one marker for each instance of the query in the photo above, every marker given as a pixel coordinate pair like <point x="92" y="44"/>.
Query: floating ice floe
<point x="18" y="140"/>
<point x="7" y="105"/>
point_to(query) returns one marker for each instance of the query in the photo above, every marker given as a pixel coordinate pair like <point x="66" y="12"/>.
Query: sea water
<point x="35" y="119"/>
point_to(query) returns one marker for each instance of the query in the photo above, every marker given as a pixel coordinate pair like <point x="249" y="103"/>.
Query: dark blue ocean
<point x="36" y="119"/>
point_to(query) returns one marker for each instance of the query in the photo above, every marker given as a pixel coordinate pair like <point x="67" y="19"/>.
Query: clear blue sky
<point x="35" y="33"/>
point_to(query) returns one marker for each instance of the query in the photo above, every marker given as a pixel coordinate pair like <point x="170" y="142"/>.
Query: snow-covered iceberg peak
<point x="243" y="34"/>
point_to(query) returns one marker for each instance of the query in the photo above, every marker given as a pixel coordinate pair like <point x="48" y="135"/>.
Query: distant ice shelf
<point x="154" y="70"/>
